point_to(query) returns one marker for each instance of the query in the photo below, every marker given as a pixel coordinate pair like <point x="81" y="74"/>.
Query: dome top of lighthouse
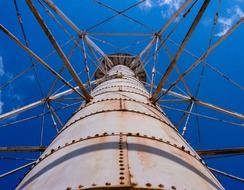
<point x="134" y="63"/>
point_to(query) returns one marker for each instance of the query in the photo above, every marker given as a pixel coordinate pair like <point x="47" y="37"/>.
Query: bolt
<point x="148" y="184"/>
<point x="161" y="185"/>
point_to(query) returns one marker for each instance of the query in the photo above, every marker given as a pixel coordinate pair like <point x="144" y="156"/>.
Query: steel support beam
<point x="41" y="61"/>
<point x="172" y="18"/>
<point x="76" y="28"/>
<point x="180" y="50"/>
<point x="59" y="50"/>
<point x="205" y="55"/>
<point x="205" y="104"/>
<point x="35" y="104"/>
<point x="23" y="149"/>
<point x="214" y="152"/>
<point x="16" y="170"/>
<point x="226" y="174"/>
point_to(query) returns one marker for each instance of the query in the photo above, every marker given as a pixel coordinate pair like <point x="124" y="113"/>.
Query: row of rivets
<point x="121" y="160"/>
<point x="103" y="111"/>
<point x="121" y="150"/>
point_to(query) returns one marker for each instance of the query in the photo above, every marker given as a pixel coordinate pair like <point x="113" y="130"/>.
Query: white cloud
<point x="146" y="5"/>
<point x="233" y="14"/>
<point x="168" y="6"/>
<point x="14" y="100"/>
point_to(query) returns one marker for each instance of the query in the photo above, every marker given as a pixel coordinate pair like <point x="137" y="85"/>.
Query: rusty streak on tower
<point x="120" y="140"/>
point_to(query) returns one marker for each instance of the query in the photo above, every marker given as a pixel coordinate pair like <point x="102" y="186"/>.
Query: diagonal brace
<point x="180" y="50"/>
<point x="59" y="50"/>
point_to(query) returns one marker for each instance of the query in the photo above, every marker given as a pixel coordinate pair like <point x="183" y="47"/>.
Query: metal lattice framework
<point x="72" y="82"/>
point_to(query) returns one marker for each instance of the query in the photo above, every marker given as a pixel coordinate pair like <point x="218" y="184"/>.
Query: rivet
<point x="148" y="184"/>
<point x="121" y="157"/>
<point x="161" y="185"/>
<point x="138" y="134"/>
<point x="153" y="137"/>
<point x="122" y="183"/>
<point x="97" y="135"/>
<point x="134" y="184"/>
<point x="80" y="186"/>
<point x="121" y="164"/>
<point x="52" y="150"/>
<point x="120" y="161"/>
<point x="173" y="187"/>
<point x="73" y="141"/>
<point x="66" y="144"/>
<point x="122" y="168"/>
<point x="122" y="177"/>
<point x="121" y="173"/>
<point x="105" y="133"/>
<point x="93" y="184"/>
<point x="68" y="188"/>
<point x="107" y="183"/>
<point x="183" y="148"/>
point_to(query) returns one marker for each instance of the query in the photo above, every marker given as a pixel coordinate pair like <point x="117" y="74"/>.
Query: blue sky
<point x="227" y="60"/>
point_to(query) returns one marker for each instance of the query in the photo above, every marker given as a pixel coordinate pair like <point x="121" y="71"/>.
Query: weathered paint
<point x="119" y="140"/>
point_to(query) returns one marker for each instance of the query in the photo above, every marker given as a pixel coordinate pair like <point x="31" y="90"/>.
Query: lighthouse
<point x="119" y="140"/>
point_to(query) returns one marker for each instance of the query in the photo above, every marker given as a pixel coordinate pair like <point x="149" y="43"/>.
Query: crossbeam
<point x="227" y="151"/>
<point x="205" y="54"/>
<point x="41" y="61"/>
<point x="16" y="170"/>
<point x="179" y="52"/>
<point x="226" y="174"/>
<point x="205" y="104"/>
<point x="76" y="28"/>
<point x="59" y="50"/>
<point x="23" y="149"/>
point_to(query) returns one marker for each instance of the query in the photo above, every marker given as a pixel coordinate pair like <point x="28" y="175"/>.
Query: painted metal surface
<point x="119" y="140"/>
